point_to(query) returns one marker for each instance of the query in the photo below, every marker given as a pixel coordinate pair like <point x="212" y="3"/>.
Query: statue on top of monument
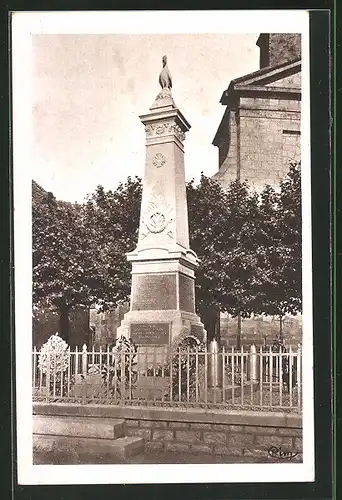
<point x="165" y="79"/>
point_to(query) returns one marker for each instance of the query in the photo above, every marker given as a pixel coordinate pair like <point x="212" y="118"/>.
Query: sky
<point x="88" y="91"/>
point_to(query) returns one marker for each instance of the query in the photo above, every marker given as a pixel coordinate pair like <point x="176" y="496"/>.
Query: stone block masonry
<point x="230" y="440"/>
<point x="221" y="433"/>
<point x="266" y="149"/>
<point x="253" y="139"/>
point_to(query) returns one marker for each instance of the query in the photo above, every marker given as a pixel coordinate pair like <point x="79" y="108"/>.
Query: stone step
<point x="89" y="449"/>
<point x="86" y="427"/>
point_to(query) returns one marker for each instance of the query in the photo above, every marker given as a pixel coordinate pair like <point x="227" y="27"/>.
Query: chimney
<point x="263" y="43"/>
<point x="277" y="48"/>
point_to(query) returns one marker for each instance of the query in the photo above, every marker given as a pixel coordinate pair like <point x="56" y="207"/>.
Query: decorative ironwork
<point x="177" y="375"/>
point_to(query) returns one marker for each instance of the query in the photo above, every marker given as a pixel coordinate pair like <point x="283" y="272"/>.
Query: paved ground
<point x="43" y="458"/>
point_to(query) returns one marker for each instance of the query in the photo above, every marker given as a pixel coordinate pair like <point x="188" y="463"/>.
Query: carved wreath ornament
<point x="156" y="223"/>
<point x="157" y="216"/>
<point x="159" y="160"/>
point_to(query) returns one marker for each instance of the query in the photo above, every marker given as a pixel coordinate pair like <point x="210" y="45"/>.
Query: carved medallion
<point x="160" y="129"/>
<point x="156" y="223"/>
<point x="157" y="215"/>
<point x="159" y="160"/>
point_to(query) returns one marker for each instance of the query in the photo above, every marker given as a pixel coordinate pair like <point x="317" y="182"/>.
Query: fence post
<point x="214" y="365"/>
<point x="84" y="372"/>
<point x="48" y="368"/>
<point x="123" y="377"/>
<point x="299" y="375"/>
<point x="84" y="360"/>
<point x="34" y="368"/>
<point x="253" y="364"/>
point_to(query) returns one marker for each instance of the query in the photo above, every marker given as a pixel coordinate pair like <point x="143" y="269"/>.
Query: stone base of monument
<point x="161" y="327"/>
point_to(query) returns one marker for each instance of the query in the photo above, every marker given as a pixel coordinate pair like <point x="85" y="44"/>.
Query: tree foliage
<point x="112" y="217"/>
<point x="223" y="225"/>
<point x="281" y="238"/>
<point x="249" y="248"/>
<point x="65" y="273"/>
<point x="79" y="250"/>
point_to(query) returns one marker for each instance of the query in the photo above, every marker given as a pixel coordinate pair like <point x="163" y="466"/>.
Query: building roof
<point x="257" y="84"/>
<point x="38" y="193"/>
<point x="263" y="77"/>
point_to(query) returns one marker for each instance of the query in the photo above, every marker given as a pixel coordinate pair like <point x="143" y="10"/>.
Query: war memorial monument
<point x="162" y="303"/>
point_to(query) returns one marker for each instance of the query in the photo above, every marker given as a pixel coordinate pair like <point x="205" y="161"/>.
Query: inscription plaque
<point x="186" y="293"/>
<point x="150" y="333"/>
<point x="153" y="292"/>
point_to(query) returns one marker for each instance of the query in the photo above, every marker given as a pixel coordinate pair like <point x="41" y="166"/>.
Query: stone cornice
<point x="167" y="114"/>
<point x="256" y="85"/>
<point x="165" y="125"/>
<point x="231" y="417"/>
<point x="268" y="92"/>
<point x="260" y="79"/>
<point x="270" y="73"/>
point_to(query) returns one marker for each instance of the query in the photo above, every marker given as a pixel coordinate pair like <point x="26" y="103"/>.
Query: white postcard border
<point x="23" y="26"/>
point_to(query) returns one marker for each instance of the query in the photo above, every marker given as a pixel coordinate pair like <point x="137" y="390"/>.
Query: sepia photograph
<point x="162" y="245"/>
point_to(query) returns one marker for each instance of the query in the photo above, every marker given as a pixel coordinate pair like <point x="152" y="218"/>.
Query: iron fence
<point x="256" y="379"/>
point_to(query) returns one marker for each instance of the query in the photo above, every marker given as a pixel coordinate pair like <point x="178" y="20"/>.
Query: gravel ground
<point x="45" y="458"/>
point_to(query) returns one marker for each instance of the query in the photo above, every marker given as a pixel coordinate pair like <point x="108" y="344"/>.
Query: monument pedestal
<point x="163" y="278"/>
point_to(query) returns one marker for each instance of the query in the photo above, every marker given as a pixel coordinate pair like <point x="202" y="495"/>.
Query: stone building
<point x="259" y="133"/>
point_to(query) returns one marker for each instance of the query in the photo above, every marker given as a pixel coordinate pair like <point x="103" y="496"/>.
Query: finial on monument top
<point x="164" y="98"/>
<point x="165" y="79"/>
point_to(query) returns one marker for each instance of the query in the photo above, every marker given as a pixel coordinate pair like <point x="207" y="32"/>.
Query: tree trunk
<point x="280" y="328"/>
<point x="64" y="323"/>
<point x="238" y="333"/>
<point x="211" y="320"/>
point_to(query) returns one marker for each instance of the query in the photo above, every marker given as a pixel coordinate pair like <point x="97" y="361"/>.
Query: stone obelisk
<point x="163" y="279"/>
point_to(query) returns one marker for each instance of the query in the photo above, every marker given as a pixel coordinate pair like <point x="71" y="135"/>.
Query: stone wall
<point x="269" y="139"/>
<point x="217" y="439"/>
<point x="233" y="433"/>
<point x="278" y="48"/>
<point x="228" y="148"/>
<point x="260" y="140"/>
<point x="260" y="330"/>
